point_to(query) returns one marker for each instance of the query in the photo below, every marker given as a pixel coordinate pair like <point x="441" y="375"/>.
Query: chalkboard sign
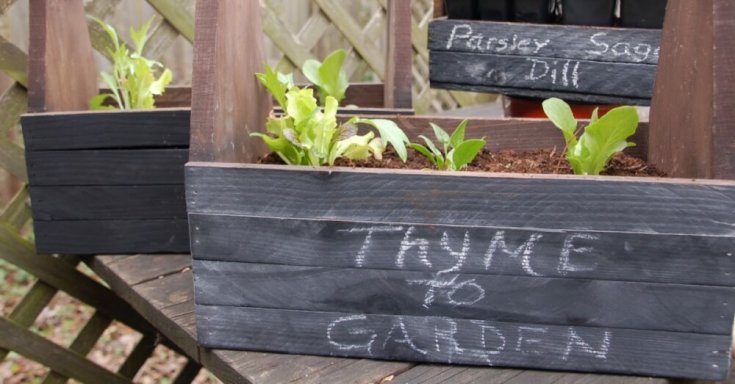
<point x="623" y="277"/>
<point x="591" y="64"/>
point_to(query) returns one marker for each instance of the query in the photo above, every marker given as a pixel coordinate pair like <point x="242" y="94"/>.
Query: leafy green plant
<point x="455" y="153"/>
<point x="329" y="77"/>
<point x="308" y="133"/>
<point x="133" y="82"/>
<point x="601" y="139"/>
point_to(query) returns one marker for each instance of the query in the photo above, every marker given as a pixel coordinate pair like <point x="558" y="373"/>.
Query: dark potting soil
<point x="540" y="161"/>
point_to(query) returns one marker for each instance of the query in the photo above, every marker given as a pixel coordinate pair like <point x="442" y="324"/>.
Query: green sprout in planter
<point x="133" y="83"/>
<point x="329" y="77"/>
<point x="602" y="138"/>
<point x="456" y="152"/>
<point x="308" y="133"/>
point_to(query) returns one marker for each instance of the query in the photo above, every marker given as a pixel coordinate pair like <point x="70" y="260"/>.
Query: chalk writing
<point x="360" y="259"/>
<point x="464" y="34"/>
<point x="637" y="52"/>
<point x="449" y="288"/>
<point x="557" y="72"/>
<point x="453" y="340"/>
<point x="522" y="253"/>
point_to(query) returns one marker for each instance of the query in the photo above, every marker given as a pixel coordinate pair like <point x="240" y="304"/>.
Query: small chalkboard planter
<point x="588" y="12"/>
<point x="494" y="10"/>
<point x="551" y="272"/>
<point x="108" y="182"/>
<point x="532" y="11"/>
<point x="461" y="9"/>
<point x="588" y="64"/>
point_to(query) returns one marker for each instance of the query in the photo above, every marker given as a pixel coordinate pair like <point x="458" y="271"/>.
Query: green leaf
<point x="424" y="152"/>
<point x="276" y="83"/>
<point x="301" y="106"/>
<point x="98" y="102"/>
<point x="377" y="147"/>
<point x="140" y="36"/>
<point x="326" y="128"/>
<point x="329" y="76"/>
<point x="595" y="115"/>
<point x="282" y="147"/>
<point x="430" y="144"/>
<point x="441" y="135"/>
<point x="110" y="32"/>
<point x="159" y="86"/>
<point x="560" y="113"/>
<point x="354" y="148"/>
<point x="391" y="134"/>
<point x="459" y="134"/>
<point x="466" y="152"/>
<point x="608" y="136"/>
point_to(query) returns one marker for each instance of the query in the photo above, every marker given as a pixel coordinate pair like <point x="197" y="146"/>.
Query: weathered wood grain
<point x="108" y="202"/>
<point x="482" y="200"/>
<point x="112" y="236"/>
<point x="543" y="73"/>
<point x="619" y="45"/>
<point x="161" y="128"/>
<point x="399" y="58"/>
<point x="523" y="252"/>
<point x="515" y="299"/>
<point x="107" y="167"/>
<point x="445" y="340"/>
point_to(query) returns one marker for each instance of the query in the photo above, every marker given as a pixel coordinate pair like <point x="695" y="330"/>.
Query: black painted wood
<point x="132" y="202"/>
<point x="591" y="64"/>
<point x="533" y="300"/>
<point x="617" y="45"/>
<point x="107" y="167"/>
<point x="466" y="199"/>
<point x="93" y="237"/>
<point x="472" y="342"/>
<point x="542" y="73"/>
<point x="159" y="128"/>
<point x="516" y="252"/>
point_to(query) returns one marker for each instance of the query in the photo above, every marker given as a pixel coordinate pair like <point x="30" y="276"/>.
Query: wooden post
<point x="62" y="75"/>
<point x="227" y="101"/>
<point x="693" y="110"/>
<point x="398" y="80"/>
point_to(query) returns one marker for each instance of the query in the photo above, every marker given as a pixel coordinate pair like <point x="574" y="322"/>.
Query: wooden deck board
<point x="160" y="288"/>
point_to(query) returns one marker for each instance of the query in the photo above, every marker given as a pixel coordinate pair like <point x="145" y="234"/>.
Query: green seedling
<point x="329" y="77"/>
<point x="133" y="82"/>
<point x="601" y="139"/>
<point x="308" y="132"/>
<point x="455" y="153"/>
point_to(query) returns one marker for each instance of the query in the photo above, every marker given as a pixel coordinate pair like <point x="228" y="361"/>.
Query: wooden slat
<point x="188" y="373"/>
<point x="544" y="74"/>
<point x="28" y="309"/>
<point x="179" y="16"/>
<point x="12" y="159"/>
<point x="108" y="203"/>
<point x="16" y="212"/>
<point x="107" y="167"/>
<point x="61" y="360"/>
<point x="580" y="255"/>
<point x="103" y="130"/>
<point x="13" y="62"/>
<point x="228" y="103"/>
<point x="432" y="339"/>
<point x="13" y="104"/>
<point x="621" y="45"/>
<point x="400" y="56"/>
<point x="506" y="201"/>
<point x="536" y="300"/>
<point x="83" y="343"/>
<point x="138" y="357"/>
<point x="112" y="236"/>
<point x="61" y="63"/>
<point x="723" y="135"/>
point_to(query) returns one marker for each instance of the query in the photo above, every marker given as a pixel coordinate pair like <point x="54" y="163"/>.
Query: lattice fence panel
<point x="54" y="275"/>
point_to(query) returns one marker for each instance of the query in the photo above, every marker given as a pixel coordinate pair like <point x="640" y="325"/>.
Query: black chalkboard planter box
<point x="589" y="64"/>
<point x="550" y="272"/>
<point x="588" y="12"/>
<point x="642" y="13"/>
<point x="108" y="182"/>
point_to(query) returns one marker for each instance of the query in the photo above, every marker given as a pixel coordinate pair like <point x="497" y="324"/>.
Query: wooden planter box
<point x="108" y="182"/>
<point x="631" y="276"/>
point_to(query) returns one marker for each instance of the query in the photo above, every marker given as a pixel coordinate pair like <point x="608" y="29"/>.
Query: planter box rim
<point x="487" y="175"/>
<point x="580" y="28"/>
<point x="106" y="112"/>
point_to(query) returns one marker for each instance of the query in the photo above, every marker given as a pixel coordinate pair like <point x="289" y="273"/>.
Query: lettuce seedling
<point x="133" y="83"/>
<point x="456" y="152"/>
<point x="601" y="139"/>
<point x="308" y="133"/>
<point x="329" y="77"/>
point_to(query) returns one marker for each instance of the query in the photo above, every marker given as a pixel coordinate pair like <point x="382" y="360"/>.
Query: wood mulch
<point x="541" y="161"/>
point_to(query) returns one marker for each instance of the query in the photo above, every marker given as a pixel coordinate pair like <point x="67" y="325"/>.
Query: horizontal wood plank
<point x="532" y="300"/>
<point x="159" y="128"/>
<point x="481" y="200"/>
<point x="112" y="236"/>
<point x="587" y="255"/>
<point x="107" y="167"/>
<point x="543" y="73"/>
<point x="471" y="342"/>
<point x="108" y="202"/>
<point x="619" y="45"/>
